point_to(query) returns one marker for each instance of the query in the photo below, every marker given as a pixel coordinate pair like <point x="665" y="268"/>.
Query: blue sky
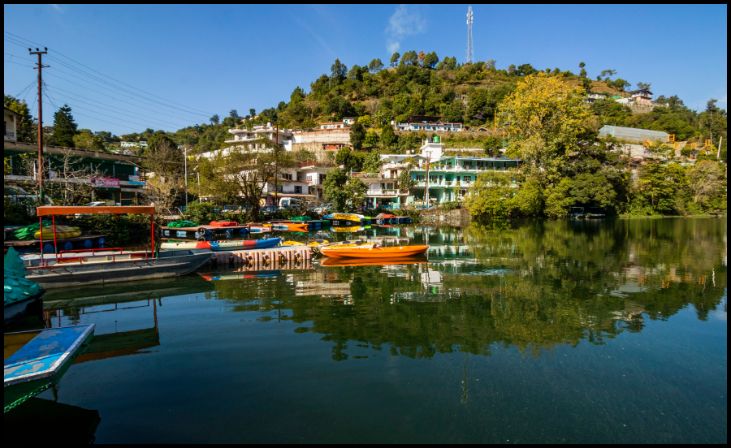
<point x="123" y="68"/>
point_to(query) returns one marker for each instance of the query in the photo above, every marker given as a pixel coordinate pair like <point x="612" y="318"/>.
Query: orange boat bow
<point x="367" y="251"/>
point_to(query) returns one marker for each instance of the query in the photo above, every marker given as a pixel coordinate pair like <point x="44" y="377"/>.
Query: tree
<point x="215" y="119"/>
<point x="409" y="58"/>
<point x="707" y="182"/>
<point x="431" y="59"/>
<point x="582" y="73"/>
<point x="606" y="74"/>
<point x="164" y="161"/>
<point x="643" y="86"/>
<point x="333" y="188"/>
<point x="338" y="70"/>
<point x="349" y="159"/>
<point x="252" y="112"/>
<point x="394" y="58"/>
<point x="388" y="137"/>
<point x="357" y="135"/>
<point x="545" y="118"/>
<point x="375" y="65"/>
<point x="85" y="139"/>
<point x="27" y="127"/>
<point x="64" y="127"/>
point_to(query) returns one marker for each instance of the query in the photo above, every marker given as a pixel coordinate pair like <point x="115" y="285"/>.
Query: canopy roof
<point x="49" y="210"/>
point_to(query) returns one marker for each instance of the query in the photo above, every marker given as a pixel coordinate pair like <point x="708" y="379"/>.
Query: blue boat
<point x="36" y="360"/>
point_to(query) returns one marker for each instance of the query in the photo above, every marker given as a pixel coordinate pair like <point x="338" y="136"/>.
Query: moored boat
<point x="264" y="243"/>
<point x="35" y="360"/>
<point x="101" y="266"/>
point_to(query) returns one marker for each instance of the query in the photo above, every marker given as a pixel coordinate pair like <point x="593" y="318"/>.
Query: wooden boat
<point x="332" y="262"/>
<point x="101" y="266"/>
<point x="110" y="266"/>
<point x="373" y="251"/>
<point x="35" y="360"/>
<point x="354" y="217"/>
<point x="264" y="243"/>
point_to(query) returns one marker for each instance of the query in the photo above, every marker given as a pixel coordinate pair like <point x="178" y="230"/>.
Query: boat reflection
<point x="331" y="262"/>
<point x="49" y="422"/>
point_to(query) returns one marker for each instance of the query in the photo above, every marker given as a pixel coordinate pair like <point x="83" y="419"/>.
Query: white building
<point x="10" y="118"/>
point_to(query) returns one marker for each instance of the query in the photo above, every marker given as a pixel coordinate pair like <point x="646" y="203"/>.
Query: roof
<point x="51" y="210"/>
<point x="632" y="134"/>
<point x="7" y="109"/>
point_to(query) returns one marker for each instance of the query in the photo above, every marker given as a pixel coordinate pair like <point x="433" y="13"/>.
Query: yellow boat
<point x="350" y="229"/>
<point x="61" y="232"/>
<point x="372" y="251"/>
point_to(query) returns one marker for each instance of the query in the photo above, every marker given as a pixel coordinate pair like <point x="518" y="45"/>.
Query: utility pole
<point x="185" y="169"/>
<point x="276" y="162"/>
<point x="40" y="68"/>
<point x="470" y="20"/>
<point x="426" y="190"/>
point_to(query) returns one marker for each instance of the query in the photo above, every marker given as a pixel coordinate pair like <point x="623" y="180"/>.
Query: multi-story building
<point x="330" y="136"/>
<point x="115" y="178"/>
<point x="428" y="126"/>
<point x="449" y="177"/>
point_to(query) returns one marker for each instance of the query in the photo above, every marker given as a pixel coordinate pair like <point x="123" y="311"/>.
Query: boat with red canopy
<point x="115" y="264"/>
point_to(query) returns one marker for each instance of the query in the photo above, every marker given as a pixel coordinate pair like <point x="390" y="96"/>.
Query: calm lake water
<point x="560" y="332"/>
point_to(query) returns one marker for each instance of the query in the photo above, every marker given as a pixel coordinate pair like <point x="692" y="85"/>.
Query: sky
<point x="124" y="68"/>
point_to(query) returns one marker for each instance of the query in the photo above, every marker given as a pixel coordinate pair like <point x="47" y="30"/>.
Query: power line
<point x="170" y="103"/>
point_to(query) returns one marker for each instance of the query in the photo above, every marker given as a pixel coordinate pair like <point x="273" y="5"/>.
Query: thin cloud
<point x="403" y="23"/>
<point x="319" y="39"/>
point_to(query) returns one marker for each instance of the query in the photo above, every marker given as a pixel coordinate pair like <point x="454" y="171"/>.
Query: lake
<point x="554" y="332"/>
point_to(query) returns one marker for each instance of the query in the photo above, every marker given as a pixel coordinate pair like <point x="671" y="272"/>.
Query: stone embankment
<point x="453" y="218"/>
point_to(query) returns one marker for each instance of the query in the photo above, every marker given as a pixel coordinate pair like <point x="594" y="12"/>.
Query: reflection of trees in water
<point x="553" y="283"/>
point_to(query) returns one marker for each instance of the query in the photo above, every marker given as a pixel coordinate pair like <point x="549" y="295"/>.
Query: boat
<point x="101" y="266"/>
<point x="371" y="250"/>
<point x="36" y="360"/>
<point x="345" y="219"/>
<point x="206" y="232"/>
<point x="60" y="232"/>
<point x="22" y="297"/>
<point x="264" y="243"/>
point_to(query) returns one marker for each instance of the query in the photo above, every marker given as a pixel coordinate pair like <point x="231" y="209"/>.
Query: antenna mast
<point x="470" y="20"/>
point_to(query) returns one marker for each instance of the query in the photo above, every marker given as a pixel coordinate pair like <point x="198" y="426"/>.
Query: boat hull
<point x="265" y="243"/>
<point x="36" y="360"/>
<point x="368" y="251"/>
<point x="82" y="273"/>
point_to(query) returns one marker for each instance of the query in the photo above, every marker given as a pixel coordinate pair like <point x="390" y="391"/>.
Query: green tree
<point x="338" y="71"/>
<point x="389" y="139"/>
<point x="708" y="184"/>
<point x="27" y="127"/>
<point x="333" y="188"/>
<point x="375" y="65"/>
<point x="64" y="127"/>
<point x="357" y="135"/>
<point x="394" y="58"/>
<point x="431" y="59"/>
<point x="85" y="139"/>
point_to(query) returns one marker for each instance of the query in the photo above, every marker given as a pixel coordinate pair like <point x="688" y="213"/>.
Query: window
<point x="298" y="189"/>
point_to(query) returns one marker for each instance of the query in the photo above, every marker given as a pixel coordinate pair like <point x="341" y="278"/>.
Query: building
<point x="449" y="177"/>
<point x="10" y="127"/>
<point x="633" y="135"/>
<point x="590" y="98"/>
<point x="330" y="136"/>
<point x="428" y="126"/>
<point x="642" y="97"/>
<point x="115" y="178"/>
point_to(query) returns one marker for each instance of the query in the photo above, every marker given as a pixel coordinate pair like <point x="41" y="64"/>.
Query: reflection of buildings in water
<point x="323" y="282"/>
<point x="636" y="277"/>
<point x="449" y="251"/>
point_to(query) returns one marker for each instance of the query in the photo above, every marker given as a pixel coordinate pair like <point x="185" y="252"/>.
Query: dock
<point x="290" y="257"/>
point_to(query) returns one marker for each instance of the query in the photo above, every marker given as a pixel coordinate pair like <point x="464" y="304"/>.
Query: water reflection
<point x="531" y="286"/>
